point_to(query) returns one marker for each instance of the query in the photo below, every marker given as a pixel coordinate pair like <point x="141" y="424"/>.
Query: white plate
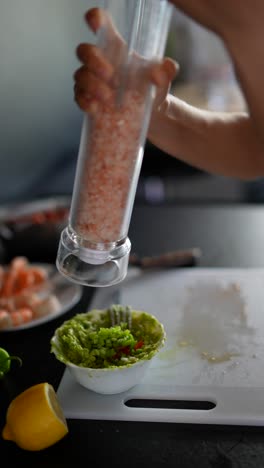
<point x="16" y="211"/>
<point x="67" y="293"/>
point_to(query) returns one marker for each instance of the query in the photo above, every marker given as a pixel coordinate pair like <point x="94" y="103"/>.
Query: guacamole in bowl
<point x="105" y="358"/>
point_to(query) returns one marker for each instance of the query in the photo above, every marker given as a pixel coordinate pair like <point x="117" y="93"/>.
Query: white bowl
<point x="114" y="379"/>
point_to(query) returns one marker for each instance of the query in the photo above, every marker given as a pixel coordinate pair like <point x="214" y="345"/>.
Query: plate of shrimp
<point x="32" y="294"/>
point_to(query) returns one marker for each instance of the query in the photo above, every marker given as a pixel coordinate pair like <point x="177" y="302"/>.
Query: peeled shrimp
<point x="20" y="284"/>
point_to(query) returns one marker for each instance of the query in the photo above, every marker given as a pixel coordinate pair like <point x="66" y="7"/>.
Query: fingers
<point x="89" y="90"/>
<point x="91" y="84"/>
<point x="94" y="59"/>
<point x="94" y="80"/>
<point x="95" y="18"/>
<point x="98" y="18"/>
<point x="162" y="74"/>
<point x="91" y="79"/>
<point x="85" y="102"/>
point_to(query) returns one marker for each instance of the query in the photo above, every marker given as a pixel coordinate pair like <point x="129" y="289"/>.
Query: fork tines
<point x="119" y="314"/>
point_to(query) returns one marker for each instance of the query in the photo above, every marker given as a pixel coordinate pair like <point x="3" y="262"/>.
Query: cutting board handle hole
<point x="170" y="404"/>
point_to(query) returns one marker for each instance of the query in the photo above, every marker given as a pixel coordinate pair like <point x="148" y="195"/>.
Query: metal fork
<point x="120" y="314"/>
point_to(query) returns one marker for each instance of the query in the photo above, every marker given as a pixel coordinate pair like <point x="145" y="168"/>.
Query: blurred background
<point x="41" y="124"/>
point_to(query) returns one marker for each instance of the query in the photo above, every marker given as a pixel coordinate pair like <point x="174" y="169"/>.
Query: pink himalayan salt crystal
<point x="106" y="181"/>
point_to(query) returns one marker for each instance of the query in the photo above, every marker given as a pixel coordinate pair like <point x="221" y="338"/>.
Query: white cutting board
<point x="215" y="311"/>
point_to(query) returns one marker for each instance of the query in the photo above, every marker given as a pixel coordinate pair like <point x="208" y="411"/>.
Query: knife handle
<point x="174" y="258"/>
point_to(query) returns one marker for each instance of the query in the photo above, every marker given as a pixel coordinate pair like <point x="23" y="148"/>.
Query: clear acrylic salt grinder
<point x="94" y="248"/>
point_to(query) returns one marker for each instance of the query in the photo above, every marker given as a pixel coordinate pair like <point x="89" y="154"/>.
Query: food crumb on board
<point x="214" y="321"/>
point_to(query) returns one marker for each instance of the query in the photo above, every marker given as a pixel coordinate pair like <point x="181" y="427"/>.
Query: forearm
<point x="220" y="143"/>
<point x="248" y="57"/>
<point x="240" y="26"/>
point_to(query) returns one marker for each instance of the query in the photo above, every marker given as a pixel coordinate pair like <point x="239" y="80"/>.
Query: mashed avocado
<point x="89" y="340"/>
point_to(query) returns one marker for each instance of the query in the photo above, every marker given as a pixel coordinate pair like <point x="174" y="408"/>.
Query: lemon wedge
<point x="34" y="419"/>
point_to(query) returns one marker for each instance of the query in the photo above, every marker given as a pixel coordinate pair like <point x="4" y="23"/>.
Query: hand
<point x="95" y="79"/>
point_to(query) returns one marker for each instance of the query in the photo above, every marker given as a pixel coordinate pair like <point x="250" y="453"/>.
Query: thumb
<point x="162" y="76"/>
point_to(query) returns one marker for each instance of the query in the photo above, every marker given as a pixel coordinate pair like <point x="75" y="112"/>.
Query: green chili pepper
<point x="5" y="362"/>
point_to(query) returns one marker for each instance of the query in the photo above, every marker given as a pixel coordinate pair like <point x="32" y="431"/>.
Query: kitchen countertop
<point x="229" y="236"/>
